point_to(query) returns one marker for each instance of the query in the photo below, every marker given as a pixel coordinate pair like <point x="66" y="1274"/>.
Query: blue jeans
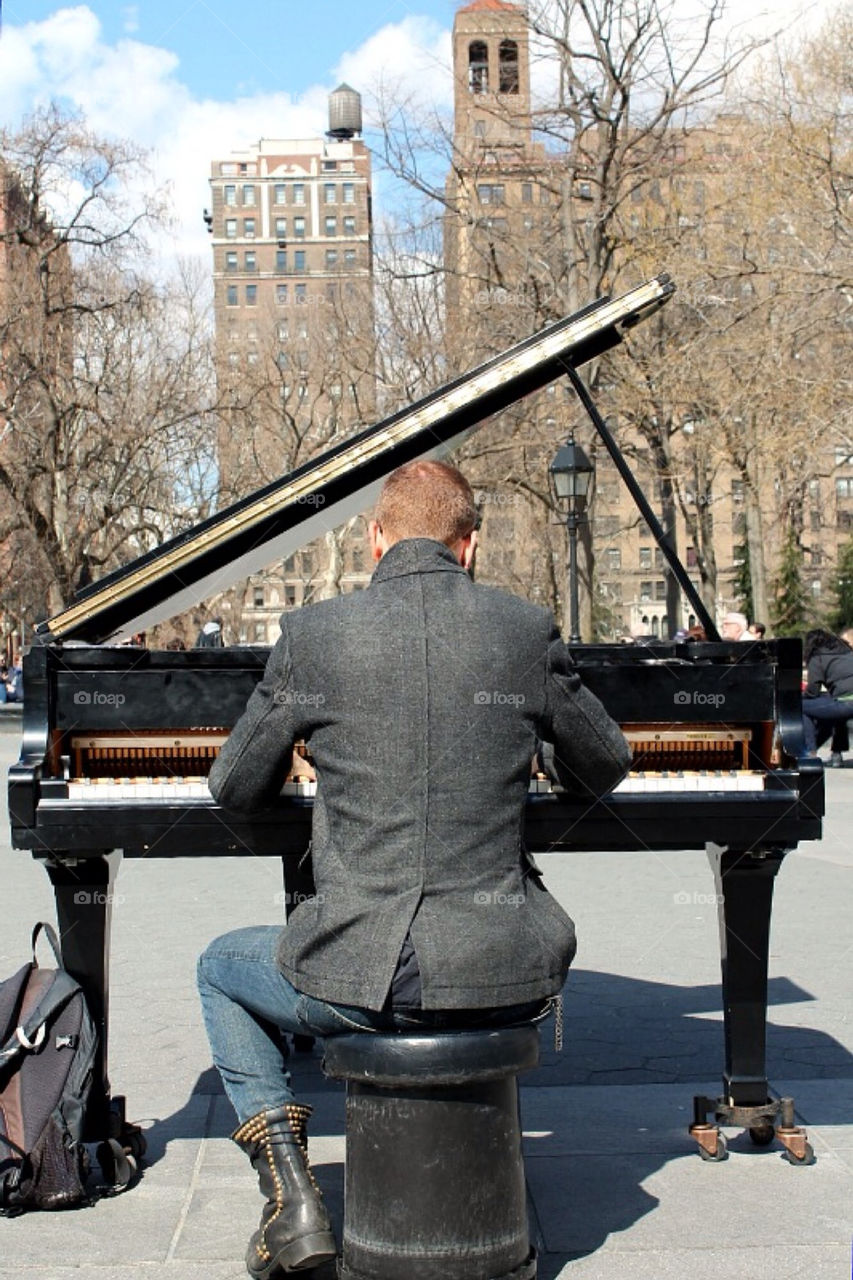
<point x="824" y="717"/>
<point x="247" y="1002"/>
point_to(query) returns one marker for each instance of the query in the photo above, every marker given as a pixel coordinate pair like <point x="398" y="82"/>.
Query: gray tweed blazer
<point x="422" y="698"/>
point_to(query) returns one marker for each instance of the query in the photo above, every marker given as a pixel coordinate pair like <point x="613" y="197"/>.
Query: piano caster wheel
<point x="762" y="1135"/>
<point x="712" y="1143"/>
<point x="807" y="1157"/>
<point x="303" y="1044"/>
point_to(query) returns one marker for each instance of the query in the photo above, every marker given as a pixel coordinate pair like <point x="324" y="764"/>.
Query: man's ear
<point x="378" y="545"/>
<point x="467" y="549"/>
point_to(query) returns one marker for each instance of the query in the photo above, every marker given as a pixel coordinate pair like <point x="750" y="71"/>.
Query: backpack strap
<point x="50" y="934"/>
<point x="30" y="1035"/>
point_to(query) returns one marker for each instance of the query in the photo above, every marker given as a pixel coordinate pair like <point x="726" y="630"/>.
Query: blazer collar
<point x="415" y="555"/>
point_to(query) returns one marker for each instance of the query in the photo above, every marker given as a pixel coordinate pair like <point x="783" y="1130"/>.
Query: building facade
<point x="291" y="224"/>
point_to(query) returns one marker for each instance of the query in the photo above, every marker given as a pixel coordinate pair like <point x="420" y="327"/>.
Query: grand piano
<point x="118" y="739"/>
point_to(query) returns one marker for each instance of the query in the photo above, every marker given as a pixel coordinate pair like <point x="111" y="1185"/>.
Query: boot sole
<point x="300" y="1255"/>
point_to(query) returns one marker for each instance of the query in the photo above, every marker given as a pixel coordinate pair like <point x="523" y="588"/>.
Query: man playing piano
<point x="422" y="699"/>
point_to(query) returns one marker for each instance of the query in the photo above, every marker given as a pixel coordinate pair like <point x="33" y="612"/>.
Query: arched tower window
<point x="478" y="66"/>
<point x="508" y="62"/>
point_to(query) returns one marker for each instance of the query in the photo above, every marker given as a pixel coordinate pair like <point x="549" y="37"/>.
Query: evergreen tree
<point x="842" y="612"/>
<point x="792" y="605"/>
<point x="742" y="585"/>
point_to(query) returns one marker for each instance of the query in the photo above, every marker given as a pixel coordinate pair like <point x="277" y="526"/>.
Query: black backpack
<point x="48" y="1044"/>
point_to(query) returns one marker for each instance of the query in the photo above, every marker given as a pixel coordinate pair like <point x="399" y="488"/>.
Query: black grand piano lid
<point x="279" y="518"/>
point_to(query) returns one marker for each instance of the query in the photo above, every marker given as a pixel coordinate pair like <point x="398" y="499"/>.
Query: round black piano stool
<point x="434" y="1173"/>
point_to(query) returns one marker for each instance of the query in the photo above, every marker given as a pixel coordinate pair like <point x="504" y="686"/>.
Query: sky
<point x="191" y="79"/>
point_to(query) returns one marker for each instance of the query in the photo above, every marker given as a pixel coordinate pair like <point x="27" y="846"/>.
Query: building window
<point x="299" y="193"/>
<point x="645" y="591"/>
<point x="737" y="491"/>
<point x="527" y="193"/>
<point x="479" y="128"/>
<point x="844" y="487"/>
<point x="301" y="293"/>
<point x="281" y="294"/>
<point x="299" y="228"/>
<point x="289" y="596"/>
<point x="302" y="329"/>
<point x="660" y="590"/>
<point x="231" y="228"/>
<point x="258" y="597"/>
<point x="613" y="556"/>
<point x="231" y="299"/>
<point x="231" y="261"/>
<point x="816" y="587"/>
<point x="279" y="193"/>
<point x="228" y="169"/>
<point x="583" y="190"/>
<point x="331" y="259"/>
<point x="692" y="559"/>
<point x="738" y="555"/>
<point x="349" y="225"/>
<point x="282" y="360"/>
<point x="230" y="194"/>
<point x="260" y="633"/>
<point x="349" y="192"/>
<point x="282" y="331"/>
<point x="248" y="194"/>
<point x="508" y="66"/>
<point x="329" y="166"/>
<point x="250" y="260"/>
<point x="645" y="557"/>
<point x="281" y="228"/>
<point x="281" y="260"/>
<point x="329" y="193"/>
<point x="299" y="260"/>
<point x="251" y="295"/>
<point x="331" y="226"/>
<point x="491" y="192"/>
<point x="249" y="228"/>
<point x="233" y="359"/>
<point x="478" y="66"/>
<point x="252" y="357"/>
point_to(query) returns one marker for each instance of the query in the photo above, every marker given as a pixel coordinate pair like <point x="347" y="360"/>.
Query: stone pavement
<point x="616" y="1188"/>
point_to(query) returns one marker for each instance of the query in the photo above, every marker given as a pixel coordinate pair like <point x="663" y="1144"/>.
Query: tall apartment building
<point x="291" y="226"/>
<point x="508" y="199"/>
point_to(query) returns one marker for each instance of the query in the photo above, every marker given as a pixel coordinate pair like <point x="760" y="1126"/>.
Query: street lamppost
<point x="570" y="473"/>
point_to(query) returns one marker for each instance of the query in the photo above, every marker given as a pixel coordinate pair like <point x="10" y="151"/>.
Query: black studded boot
<point x="295" y="1233"/>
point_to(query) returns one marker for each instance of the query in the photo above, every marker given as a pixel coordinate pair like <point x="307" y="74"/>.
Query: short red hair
<point x="427" y="499"/>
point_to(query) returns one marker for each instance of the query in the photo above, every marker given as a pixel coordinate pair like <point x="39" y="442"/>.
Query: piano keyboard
<point x="189" y="789"/>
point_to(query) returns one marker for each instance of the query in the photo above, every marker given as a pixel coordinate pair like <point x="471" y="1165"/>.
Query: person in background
<point x="828" y="696"/>
<point x="210" y="636"/>
<point x="847" y="636"/>
<point x="734" y="627"/>
<point x="15" y="681"/>
<point x="757" y="630"/>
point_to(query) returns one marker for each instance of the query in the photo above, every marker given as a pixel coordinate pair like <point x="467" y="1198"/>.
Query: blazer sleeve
<point x="590" y="752"/>
<point x="249" y="771"/>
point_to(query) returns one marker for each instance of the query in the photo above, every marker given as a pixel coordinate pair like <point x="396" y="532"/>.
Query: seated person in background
<point x="757" y="630"/>
<point x="421" y="701"/>
<point x="829" y="668"/>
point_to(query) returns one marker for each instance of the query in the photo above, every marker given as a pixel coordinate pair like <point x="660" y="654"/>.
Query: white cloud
<point x="133" y="90"/>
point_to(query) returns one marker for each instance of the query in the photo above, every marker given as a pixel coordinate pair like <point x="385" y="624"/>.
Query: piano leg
<point x="83" y="890"/>
<point x="744" y="883"/>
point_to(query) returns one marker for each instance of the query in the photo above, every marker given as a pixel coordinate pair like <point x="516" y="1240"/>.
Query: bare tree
<point x="106" y="445"/>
